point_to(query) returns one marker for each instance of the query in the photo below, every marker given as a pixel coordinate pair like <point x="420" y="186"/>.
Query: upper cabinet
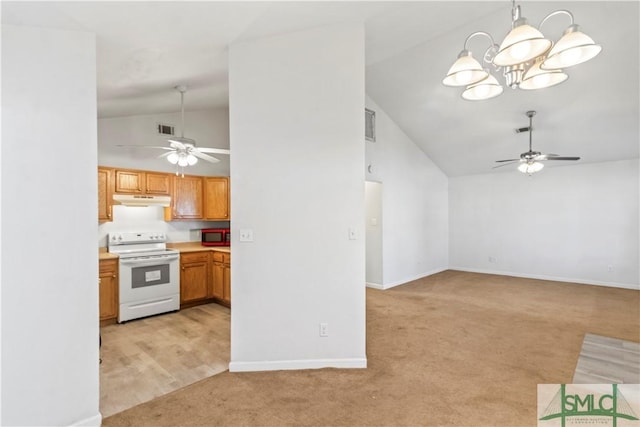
<point x="142" y="182"/>
<point x="216" y="198"/>
<point x="105" y="193"/>
<point x="187" y="197"/>
<point x="192" y="197"/>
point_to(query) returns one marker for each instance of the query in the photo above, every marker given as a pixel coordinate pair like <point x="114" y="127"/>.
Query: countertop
<point x="181" y="246"/>
<point x="197" y="247"/>
<point x="103" y="254"/>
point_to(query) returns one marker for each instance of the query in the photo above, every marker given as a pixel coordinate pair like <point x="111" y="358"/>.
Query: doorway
<point x="373" y="237"/>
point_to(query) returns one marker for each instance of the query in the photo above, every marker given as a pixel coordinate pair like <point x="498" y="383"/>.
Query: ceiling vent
<point x="165" y="129"/>
<point x="369" y="125"/>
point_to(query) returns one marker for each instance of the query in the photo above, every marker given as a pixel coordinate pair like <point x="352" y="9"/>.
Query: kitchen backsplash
<point x="151" y="218"/>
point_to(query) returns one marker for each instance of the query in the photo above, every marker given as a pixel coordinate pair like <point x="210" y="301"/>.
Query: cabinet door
<point x="194" y="276"/>
<point x="216" y="198"/>
<point x="105" y="191"/>
<point x="158" y="183"/>
<point x="227" y="278"/>
<point x="187" y="197"/>
<point x="217" y="278"/>
<point x="108" y="289"/>
<point x="129" y="182"/>
<point x="227" y="283"/>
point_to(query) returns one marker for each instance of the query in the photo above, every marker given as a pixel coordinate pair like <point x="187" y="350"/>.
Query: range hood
<point x="141" y="200"/>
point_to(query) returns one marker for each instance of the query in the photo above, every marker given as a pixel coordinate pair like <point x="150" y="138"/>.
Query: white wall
<point x="567" y="223"/>
<point x="414" y="204"/>
<point x="209" y="128"/>
<point x="50" y="294"/>
<point x="297" y="131"/>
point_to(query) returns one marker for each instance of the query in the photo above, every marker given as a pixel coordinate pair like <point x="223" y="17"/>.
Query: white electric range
<point x="149" y="274"/>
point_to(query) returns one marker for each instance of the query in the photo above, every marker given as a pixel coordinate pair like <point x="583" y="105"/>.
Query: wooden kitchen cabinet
<point x="105" y="194"/>
<point x="194" y="277"/>
<point x="221" y="277"/>
<point x="108" y="274"/>
<point x="142" y="182"/>
<point x="216" y="198"/>
<point x="192" y="197"/>
<point x="187" y="198"/>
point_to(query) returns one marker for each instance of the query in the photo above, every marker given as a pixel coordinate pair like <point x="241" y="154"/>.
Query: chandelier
<point x="526" y="59"/>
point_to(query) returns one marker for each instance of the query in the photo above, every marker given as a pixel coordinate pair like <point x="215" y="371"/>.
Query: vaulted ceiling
<point x="144" y="49"/>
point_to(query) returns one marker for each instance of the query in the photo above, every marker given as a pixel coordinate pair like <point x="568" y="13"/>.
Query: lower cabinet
<point x="204" y="277"/>
<point x="194" y="277"/>
<point x="108" y="274"/>
<point x="221" y="277"/>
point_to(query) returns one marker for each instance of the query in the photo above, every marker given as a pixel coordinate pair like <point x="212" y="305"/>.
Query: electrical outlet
<point x="324" y="329"/>
<point x="493" y="259"/>
<point x="610" y="268"/>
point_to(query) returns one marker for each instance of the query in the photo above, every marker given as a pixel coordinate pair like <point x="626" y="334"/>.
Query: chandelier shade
<point x="525" y="59"/>
<point x="465" y="71"/>
<point x="575" y="47"/>
<point x="522" y="44"/>
<point x="537" y="78"/>
<point x="485" y="89"/>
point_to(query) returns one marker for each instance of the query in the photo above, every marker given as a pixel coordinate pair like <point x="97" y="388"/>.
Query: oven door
<point x="148" y="285"/>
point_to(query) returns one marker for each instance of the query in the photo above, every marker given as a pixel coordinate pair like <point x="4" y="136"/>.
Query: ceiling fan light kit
<point x="526" y="59"/>
<point x="530" y="162"/>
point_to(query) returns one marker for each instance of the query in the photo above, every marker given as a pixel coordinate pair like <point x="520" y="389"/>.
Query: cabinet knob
<point x="114" y="275"/>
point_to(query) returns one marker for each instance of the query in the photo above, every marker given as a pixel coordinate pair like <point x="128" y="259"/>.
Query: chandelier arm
<point x="557" y="12"/>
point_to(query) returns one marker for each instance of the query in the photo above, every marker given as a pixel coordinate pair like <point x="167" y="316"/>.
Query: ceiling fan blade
<point x="563" y="158"/>
<point x="506" y="164"/>
<point x="177" y="145"/>
<point x="506" y="160"/>
<point x="144" y="146"/>
<point x="204" y="156"/>
<point x="214" y="150"/>
<point x="165" y="154"/>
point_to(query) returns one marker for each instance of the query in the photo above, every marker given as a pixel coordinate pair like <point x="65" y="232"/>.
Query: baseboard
<point x="551" y="278"/>
<point x="374" y="285"/>
<point x="411" y="279"/>
<point x="94" y="421"/>
<point x="281" y="365"/>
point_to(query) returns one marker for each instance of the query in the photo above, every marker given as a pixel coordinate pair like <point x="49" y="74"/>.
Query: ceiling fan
<point x="530" y="161"/>
<point x="182" y="151"/>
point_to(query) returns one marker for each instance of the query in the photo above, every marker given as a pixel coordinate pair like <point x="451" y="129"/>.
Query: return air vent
<point x="369" y="125"/>
<point x="165" y="129"/>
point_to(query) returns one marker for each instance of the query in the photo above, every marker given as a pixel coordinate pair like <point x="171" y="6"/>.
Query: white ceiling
<point x="144" y="49"/>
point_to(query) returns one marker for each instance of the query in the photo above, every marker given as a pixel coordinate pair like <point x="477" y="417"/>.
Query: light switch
<point x="246" y="235"/>
<point x="374" y="221"/>
<point x="352" y="233"/>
